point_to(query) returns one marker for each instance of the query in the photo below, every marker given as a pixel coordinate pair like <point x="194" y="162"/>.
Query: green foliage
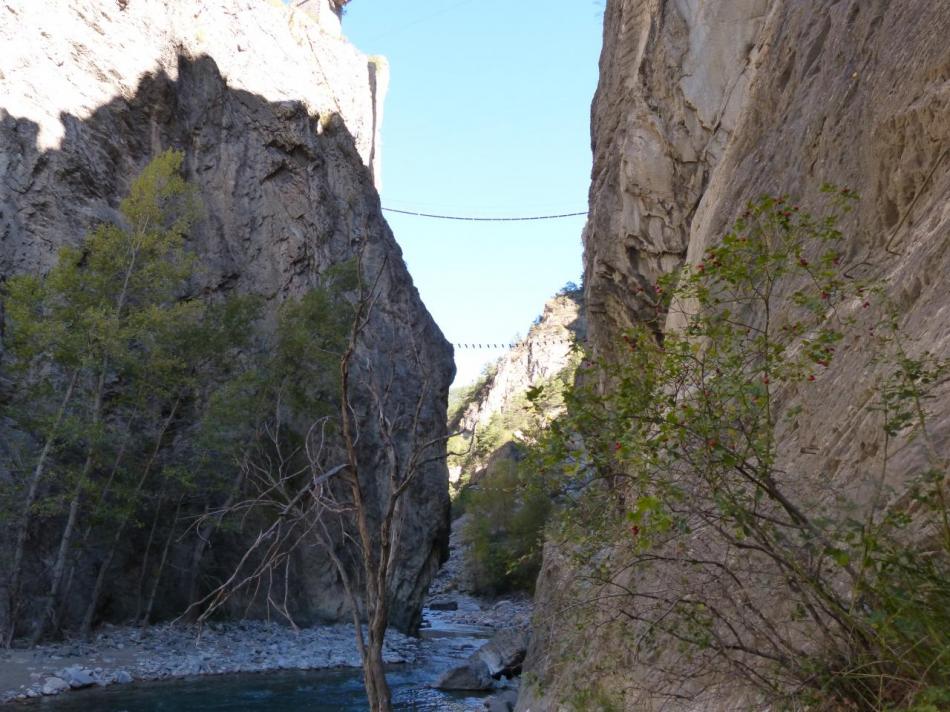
<point x="112" y="356"/>
<point x="461" y="397"/>
<point x="506" y="529"/>
<point x="595" y="699"/>
<point x="133" y="395"/>
<point x="510" y="504"/>
<point x="570" y="289"/>
<point x="680" y="445"/>
<point x="98" y="297"/>
<point x="521" y="420"/>
<point x="108" y="317"/>
<point x="294" y="382"/>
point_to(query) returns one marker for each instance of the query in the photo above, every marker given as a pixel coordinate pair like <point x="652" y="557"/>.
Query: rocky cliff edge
<point x="278" y="117"/>
<point x="703" y="106"/>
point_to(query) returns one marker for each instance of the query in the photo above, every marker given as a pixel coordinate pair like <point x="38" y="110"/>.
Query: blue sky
<point x="487" y="115"/>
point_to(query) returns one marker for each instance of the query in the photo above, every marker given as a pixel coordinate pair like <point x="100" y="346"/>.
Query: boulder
<point x="55" y="685"/>
<point x="444" y="605"/>
<point x="473" y="675"/>
<point x="504" y="701"/>
<point x="501" y="656"/>
<point x="505" y="652"/>
<point x="77" y="677"/>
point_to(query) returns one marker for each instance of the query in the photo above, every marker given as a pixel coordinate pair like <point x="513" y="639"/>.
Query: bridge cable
<point x="476" y="219"/>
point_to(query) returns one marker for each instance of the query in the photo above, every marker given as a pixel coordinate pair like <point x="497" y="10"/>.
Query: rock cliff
<point x="535" y="360"/>
<point x="701" y="107"/>
<point x="279" y="119"/>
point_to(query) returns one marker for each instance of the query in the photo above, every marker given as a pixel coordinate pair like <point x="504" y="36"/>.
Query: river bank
<point x="125" y="654"/>
<point x="122" y="655"/>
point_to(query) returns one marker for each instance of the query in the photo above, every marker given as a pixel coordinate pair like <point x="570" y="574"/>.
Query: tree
<point x="183" y="355"/>
<point x="671" y="452"/>
<point x="111" y="354"/>
<point x="408" y="450"/>
<point x="305" y="469"/>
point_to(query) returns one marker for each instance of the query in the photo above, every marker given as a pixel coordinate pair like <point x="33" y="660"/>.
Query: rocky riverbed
<point x="120" y="655"/>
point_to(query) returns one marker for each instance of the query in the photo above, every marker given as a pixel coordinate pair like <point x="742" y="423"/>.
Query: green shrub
<point x="679" y="449"/>
<point x="505" y="529"/>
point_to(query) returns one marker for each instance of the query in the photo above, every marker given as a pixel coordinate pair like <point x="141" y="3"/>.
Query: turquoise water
<point x="316" y="691"/>
<point x="339" y="690"/>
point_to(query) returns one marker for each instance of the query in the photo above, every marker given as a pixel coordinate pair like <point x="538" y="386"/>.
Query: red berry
<point x="811" y="377"/>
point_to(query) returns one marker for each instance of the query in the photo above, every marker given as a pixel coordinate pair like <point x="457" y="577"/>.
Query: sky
<point x="488" y="114"/>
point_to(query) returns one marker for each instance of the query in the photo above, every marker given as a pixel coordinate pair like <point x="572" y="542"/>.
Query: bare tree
<point x="322" y="491"/>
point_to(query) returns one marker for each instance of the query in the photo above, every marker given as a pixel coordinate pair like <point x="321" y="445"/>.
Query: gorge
<point x="714" y="475"/>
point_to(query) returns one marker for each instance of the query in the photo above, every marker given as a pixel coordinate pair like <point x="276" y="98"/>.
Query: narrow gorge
<point x="712" y="476"/>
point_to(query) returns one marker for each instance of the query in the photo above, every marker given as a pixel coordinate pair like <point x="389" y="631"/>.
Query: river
<point x="337" y="690"/>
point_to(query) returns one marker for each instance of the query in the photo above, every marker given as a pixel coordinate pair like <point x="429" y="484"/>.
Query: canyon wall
<point x="702" y="106"/>
<point x="278" y="118"/>
<point x="536" y="360"/>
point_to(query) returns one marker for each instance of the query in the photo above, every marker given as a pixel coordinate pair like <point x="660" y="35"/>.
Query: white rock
<point x="54" y="686"/>
<point x="78" y="677"/>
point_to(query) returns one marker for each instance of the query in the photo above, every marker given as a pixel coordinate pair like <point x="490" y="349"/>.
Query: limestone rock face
<point x="702" y="106"/>
<point x="674" y="79"/>
<point x="540" y="356"/>
<point x="278" y="118"/>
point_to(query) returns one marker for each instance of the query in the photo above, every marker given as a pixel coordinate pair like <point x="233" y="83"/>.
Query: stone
<point x="54" y="686"/>
<point x="501" y="656"/>
<point x="505" y="652"/>
<point x="702" y="106"/>
<point x="444" y="605"/>
<point x="281" y="143"/>
<point x="122" y="677"/>
<point x="78" y="677"/>
<point x="504" y="701"/>
<point x="473" y="675"/>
